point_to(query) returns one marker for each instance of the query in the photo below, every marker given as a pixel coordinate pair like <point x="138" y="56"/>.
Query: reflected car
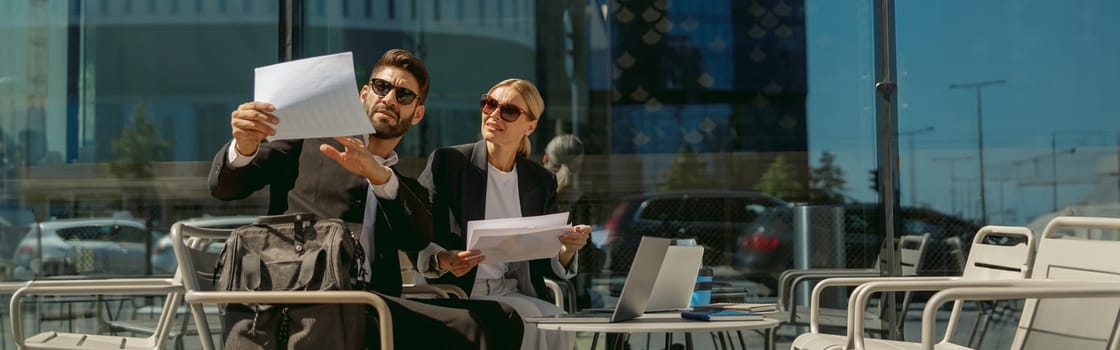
<point x="712" y="218"/>
<point x="88" y="246"/>
<point x="766" y="246"/>
<point x="163" y="261"/>
<point x="13" y="225"/>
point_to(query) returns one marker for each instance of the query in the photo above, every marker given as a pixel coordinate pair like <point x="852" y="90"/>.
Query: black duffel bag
<point x="293" y="252"/>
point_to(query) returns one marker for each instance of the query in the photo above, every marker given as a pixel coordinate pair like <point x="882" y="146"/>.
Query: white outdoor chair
<point x="987" y="264"/>
<point x="410" y="289"/>
<point x="415" y="287"/>
<point x="1055" y="315"/>
<point x="173" y="288"/>
<point x="199" y="277"/>
<point x="7" y="288"/>
<point x="147" y="326"/>
<point x="563" y="294"/>
<point x="911" y="250"/>
<point x="1064" y="269"/>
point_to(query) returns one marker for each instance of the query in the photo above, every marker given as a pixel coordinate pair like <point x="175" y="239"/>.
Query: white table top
<point x="657" y="324"/>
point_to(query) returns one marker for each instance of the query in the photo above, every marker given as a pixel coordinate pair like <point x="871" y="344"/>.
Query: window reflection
<point x="113" y="109"/>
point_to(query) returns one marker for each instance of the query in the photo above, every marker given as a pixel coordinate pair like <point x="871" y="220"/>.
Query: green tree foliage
<point x="686" y="172"/>
<point x="778" y="181"/>
<point x="826" y="181"/>
<point x="138" y="146"/>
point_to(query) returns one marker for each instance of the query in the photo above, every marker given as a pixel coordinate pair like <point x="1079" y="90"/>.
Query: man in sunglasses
<point x="352" y="178"/>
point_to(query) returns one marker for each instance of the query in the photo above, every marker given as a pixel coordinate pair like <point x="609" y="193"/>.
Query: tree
<point x="778" y="181"/>
<point x="138" y="146"/>
<point x="686" y="172"/>
<point x="826" y="181"/>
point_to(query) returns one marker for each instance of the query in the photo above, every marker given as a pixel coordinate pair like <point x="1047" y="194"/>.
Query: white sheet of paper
<point x="517" y="239"/>
<point x="501" y="245"/>
<point x="314" y="97"/>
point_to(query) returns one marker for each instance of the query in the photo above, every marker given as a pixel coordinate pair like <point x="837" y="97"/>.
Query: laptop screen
<point x="643" y="274"/>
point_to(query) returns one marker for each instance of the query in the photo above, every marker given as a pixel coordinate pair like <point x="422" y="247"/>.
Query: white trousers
<point x="505" y="291"/>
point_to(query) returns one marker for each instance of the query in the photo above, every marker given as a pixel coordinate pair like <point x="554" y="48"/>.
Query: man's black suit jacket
<point x="456" y="182"/>
<point x="302" y="179"/>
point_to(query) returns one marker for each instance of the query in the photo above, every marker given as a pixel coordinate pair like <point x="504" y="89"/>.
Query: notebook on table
<point x="635" y="291"/>
<point x="748" y="307"/>
<point x="721" y="315"/>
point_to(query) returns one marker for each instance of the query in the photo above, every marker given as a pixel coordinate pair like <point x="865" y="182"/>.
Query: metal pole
<point x="1054" y="170"/>
<point x="886" y="125"/>
<point x="952" y="179"/>
<point x="980" y="145"/>
<point x="980" y="136"/>
<point x="910" y="144"/>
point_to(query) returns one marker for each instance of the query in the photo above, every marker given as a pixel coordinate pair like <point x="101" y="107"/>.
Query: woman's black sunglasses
<point x="507" y="112"/>
<point x="382" y="88"/>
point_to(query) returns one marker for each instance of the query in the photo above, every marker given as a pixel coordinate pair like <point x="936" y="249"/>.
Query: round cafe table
<point x="664" y="323"/>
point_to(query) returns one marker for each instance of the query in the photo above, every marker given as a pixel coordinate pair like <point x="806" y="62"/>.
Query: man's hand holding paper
<point x="312" y="97"/>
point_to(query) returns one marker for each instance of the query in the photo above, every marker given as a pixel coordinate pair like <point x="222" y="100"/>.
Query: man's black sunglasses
<point x="382" y="88"/>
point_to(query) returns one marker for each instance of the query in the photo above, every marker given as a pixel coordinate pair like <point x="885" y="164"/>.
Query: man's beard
<point x="384" y="130"/>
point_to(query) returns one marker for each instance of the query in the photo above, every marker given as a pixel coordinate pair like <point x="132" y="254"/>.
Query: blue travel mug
<point x="702" y="293"/>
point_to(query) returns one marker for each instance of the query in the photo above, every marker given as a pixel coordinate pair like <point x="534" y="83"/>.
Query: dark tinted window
<point x="859" y="220"/>
<point x="131" y="234"/>
<point x="661" y="209"/>
<point x="741" y="210"/>
<point x="746" y="210"/>
<point x="705" y="210"/>
<point x="102" y="233"/>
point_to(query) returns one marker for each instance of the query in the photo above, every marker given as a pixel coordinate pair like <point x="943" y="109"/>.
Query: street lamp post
<point x="910" y="144"/>
<point x="952" y="179"/>
<point x="980" y="135"/>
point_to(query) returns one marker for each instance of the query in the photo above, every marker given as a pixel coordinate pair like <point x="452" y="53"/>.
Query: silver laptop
<point x="677" y="280"/>
<point x="635" y="291"/>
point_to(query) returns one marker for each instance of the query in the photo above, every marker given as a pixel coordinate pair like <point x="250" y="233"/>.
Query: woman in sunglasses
<point x="494" y="179"/>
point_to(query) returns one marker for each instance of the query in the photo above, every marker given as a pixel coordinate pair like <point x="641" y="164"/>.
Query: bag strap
<point x="307" y="269"/>
<point x="286" y="218"/>
<point x="251" y="272"/>
<point x="298" y="221"/>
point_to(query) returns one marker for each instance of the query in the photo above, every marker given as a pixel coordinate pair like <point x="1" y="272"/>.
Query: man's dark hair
<point x="403" y="59"/>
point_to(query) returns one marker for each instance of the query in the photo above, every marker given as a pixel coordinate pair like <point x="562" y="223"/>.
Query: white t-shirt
<point x="502" y="201"/>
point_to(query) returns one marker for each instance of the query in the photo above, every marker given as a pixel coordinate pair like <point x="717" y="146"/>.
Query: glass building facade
<point x="706" y="120"/>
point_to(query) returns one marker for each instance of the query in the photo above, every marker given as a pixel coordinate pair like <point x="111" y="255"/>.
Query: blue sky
<point x="1060" y="63"/>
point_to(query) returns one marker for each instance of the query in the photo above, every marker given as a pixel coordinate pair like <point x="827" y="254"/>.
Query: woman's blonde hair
<point x="533" y="100"/>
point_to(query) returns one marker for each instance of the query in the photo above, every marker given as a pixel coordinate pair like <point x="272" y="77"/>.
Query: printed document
<point x="314" y="97"/>
<point x="518" y="239"/>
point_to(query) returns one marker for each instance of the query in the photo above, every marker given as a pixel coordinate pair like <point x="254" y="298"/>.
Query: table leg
<point x="742" y="341"/>
<point x="769" y="342"/>
<point x="688" y="341"/>
<point x="594" y="340"/>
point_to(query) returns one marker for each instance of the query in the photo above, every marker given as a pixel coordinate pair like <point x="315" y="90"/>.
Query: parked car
<point x="88" y="246"/>
<point x="13" y="225"/>
<point x="163" y="261"/>
<point x="766" y="245"/>
<point x="712" y="218"/>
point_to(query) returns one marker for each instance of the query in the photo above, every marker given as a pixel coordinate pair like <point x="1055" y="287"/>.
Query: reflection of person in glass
<point x="564" y="156"/>
<point x="494" y="179"/>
